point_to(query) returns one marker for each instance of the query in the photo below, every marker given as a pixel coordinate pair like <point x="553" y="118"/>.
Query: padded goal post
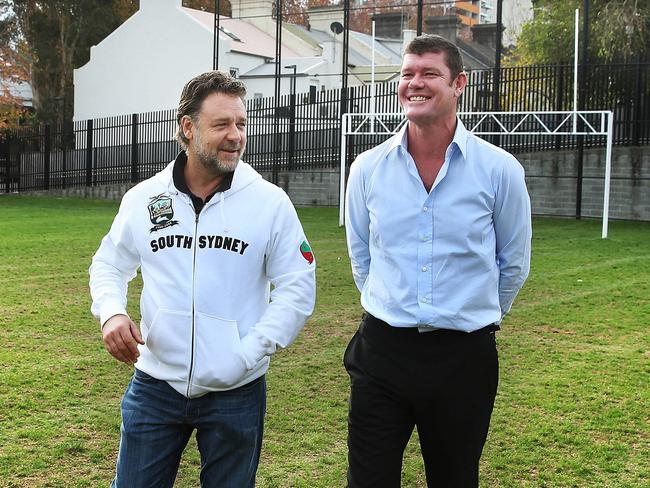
<point x="566" y="123"/>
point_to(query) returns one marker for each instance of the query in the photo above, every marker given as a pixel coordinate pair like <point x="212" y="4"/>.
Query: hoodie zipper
<point x="194" y="245"/>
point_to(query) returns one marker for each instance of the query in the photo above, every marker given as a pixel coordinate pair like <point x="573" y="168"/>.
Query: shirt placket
<point x="425" y="260"/>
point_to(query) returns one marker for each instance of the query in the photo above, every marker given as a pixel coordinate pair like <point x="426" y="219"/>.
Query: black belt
<point x="374" y="321"/>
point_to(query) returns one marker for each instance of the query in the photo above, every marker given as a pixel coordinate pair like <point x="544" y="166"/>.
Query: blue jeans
<point x="157" y="423"/>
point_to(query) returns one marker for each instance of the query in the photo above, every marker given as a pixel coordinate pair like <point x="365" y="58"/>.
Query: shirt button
<point x="424" y="269"/>
<point x="424" y="238"/>
<point x="424" y="209"/>
<point x="424" y="300"/>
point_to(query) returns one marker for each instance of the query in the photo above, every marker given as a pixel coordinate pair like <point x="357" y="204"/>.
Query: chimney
<point x="407" y="37"/>
<point x="321" y="18"/>
<point x="446" y="26"/>
<point x="252" y="10"/>
<point x="485" y="34"/>
<point x="157" y="4"/>
<point x="390" y="25"/>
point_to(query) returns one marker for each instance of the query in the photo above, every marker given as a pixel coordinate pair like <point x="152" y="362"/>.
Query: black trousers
<point x="442" y="382"/>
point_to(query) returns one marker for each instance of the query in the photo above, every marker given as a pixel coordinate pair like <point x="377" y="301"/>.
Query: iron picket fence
<point x="302" y="131"/>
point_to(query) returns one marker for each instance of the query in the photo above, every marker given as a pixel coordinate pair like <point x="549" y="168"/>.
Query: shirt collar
<point x="180" y="182"/>
<point x="178" y="175"/>
<point x="399" y="140"/>
<point x="460" y="139"/>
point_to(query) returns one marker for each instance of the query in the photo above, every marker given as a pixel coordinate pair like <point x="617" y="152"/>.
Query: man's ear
<point x="460" y="83"/>
<point x="187" y="126"/>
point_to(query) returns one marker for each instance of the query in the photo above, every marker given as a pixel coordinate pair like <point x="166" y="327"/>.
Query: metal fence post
<point x="5" y="153"/>
<point x="636" y="124"/>
<point x="559" y="98"/>
<point x="89" y="153"/>
<point x="47" y="152"/>
<point x="292" y="123"/>
<point x="351" y="145"/>
<point x="64" y="154"/>
<point x="582" y="101"/>
<point x="134" y="148"/>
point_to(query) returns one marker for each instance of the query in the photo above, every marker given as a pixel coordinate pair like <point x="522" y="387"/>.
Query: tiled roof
<point x="252" y="39"/>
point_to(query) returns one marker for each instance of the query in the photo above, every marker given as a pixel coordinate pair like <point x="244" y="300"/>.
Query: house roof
<point x="244" y="37"/>
<point x="20" y="90"/>
<point x="384" y="47"/>
<point x="304" y="65"/>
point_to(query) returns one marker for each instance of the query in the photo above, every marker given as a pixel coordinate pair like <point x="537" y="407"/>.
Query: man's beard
<point x="211" y="162"/>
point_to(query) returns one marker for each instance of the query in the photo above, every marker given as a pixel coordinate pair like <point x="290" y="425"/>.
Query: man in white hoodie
<point x="210" y="236"/>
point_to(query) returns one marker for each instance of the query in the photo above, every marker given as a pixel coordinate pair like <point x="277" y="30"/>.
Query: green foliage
<point x="573" y="396"/>
<point x="618" y="30"/>
<point x="126" y="8"/>
<point x="58" y="35"/>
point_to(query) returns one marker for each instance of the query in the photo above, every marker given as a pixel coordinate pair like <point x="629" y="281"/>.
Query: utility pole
<point x="344" y="67"/>
<point x="215" y="40"/>
<point x="278" y="79"/>
<point x="292" y="115"/>
<point x="496" y="80"/>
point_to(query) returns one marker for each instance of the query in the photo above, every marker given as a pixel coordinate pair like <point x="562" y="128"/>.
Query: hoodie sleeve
<point x="291" y="269"/>
<point x="114" y="264"/>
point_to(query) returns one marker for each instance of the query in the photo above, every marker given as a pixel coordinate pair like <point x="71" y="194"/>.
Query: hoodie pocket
<point x="169" y="339"/>
<point x="218" y="359"/>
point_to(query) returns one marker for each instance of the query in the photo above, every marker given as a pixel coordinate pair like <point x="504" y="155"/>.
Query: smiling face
<point x="217" y="138"/>
<point x="426" y="91"/>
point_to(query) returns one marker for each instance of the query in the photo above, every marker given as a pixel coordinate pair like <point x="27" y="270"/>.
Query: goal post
<point x="550" y="123"/>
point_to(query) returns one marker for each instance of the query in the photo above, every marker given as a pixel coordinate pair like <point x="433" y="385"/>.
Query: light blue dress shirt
<point x="452" y="258"/>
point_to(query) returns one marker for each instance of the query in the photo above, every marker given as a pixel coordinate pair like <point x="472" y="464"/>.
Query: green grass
<point x="573" y="402"/>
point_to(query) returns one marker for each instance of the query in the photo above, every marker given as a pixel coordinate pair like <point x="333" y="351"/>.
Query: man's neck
<point x="427" y="145"/>
<point x="431" y="139"/>
<point x="200" y="180"/>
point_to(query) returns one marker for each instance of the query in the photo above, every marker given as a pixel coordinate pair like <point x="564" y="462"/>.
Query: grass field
<point x="572" y="410"/>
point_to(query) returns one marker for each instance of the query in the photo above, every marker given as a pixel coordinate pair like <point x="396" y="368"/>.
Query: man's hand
<point x="121" y="337"/>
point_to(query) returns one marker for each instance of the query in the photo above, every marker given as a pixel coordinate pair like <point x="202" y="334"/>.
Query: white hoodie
<point x="209" y="319"/>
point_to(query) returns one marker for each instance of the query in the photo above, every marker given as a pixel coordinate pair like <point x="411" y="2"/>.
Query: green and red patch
<point x="305" y="250"/>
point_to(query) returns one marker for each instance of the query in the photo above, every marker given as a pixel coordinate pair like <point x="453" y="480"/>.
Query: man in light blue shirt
<point x="439" y="229"/>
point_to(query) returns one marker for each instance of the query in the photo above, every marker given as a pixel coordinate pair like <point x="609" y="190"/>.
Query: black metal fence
<point x="303" y="131"/>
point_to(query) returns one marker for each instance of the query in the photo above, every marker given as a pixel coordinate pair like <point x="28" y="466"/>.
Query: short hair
<point x="198" y="89"/>
<point x="431" y="43"/>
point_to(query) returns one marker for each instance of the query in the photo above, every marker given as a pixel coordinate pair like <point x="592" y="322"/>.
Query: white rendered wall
<point x="262" y="85"/>
<point x="144" y="64"/>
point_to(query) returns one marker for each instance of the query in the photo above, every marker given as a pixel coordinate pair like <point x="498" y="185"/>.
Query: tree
<point x="14" y="69"/>
<point x="57" y="35"/>
<point x="125" y="8"/>
<point x="54" y="37"/>
<point x="618" y="30"/>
